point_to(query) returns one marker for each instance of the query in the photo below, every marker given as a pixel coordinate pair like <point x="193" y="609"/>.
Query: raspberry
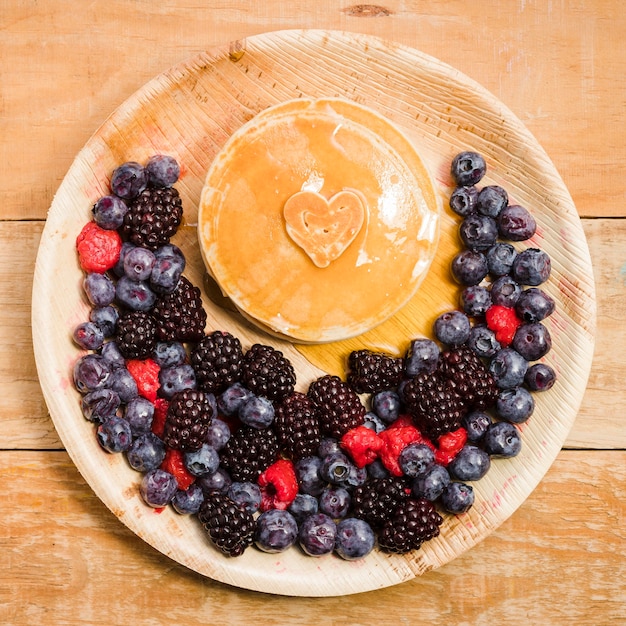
<point x="371" y="372"/>
<point x="98" y="249"/>
<point x="297" y="426"/>
<point x="279" y="485"/>
<point x="266" y="372"/>
<point x="449" y="445"/>
<point x="174" y="463"/>
<point x="377" y="499"/>
<point x="504" y="322"/>
<point x="189" y="416"/>
<point x="160" y="414"/>
<point x="394" y="440"/>
<point x="362" y="444"/>
<point x="146" y="375"/>
<point x="216" y="360"/>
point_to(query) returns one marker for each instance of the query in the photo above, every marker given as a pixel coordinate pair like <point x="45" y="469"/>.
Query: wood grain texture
<point x="72" y="562"/>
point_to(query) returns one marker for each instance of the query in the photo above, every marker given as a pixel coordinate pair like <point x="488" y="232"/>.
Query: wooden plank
<point x="559" y="559"/>
<point x="560" y="81"/>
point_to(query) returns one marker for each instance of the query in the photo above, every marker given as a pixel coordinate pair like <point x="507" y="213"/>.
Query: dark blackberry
<point x="434" y="404"/>
<point x="266" y="372"/>
<point x="249" y="452"/>
<point x="469" y="377"/>
<point x="413" y="523"/>
<point x="376" y="500"/>
<point x="153" y="217"/>
<point x="216" y="359"/>
<point x="136" y="334"/>
<point x="188" y="418"/>
<point x="338" y="406"/>
<point x="297" y="426"/>
<point x="180" y="315"/>
<point x="371" y="372"/>
<point x="229" y="526"/>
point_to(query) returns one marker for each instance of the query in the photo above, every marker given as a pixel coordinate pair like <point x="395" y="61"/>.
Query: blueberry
<point x="246" y="494"/>
<point x="457" y="498"/>
<point x="176" y="378"/>
<point x="508" y="367"/>
<point x="108" y="212"/>
<point x="415" y="459"/>
<point x="134" y="295"/>
<point x="188" y="501"/>
<point x="515" y="405"/>
<point x="122" y="381"/>
<point x="217" y="482"/>
<point x="475" y="300"/>
<point x="476" y="424"/>
<point x="531" y="267"/>
<point x="308" y="474"/>
<point x="376" y="469"/>
<point x="218" y="434"/>
<point x="386" y="405"/>
<point x="357" y="476"/>
<point x="335" y="468"/>
<point x="231" y="399"/>
<point x="276" y="530"/>
<point x="138" y="264"/>
<point x="463" y="200"/>
<point x="468" y="168"/>
<point x="478" y="232"/>
<point x="492" y="199"/>
<point x="515" y="223"/>
<point x="302" y="506"/>
<point x="431" y="483"/>
<point x="99" y="405"/>
<point x="157" y="488"/>
<point x="534" y="305"/>
<point x="169" y="353"/>
<point x="139" y="413"/>
<point x="257" y="412"/>
<point x="118" y="268"/>
<point x="452" y="328"/>
<point x="204" y="460"/>
<point x="105" y="317"/>
<point x="540" y="377"/>
<point x="500" y="258"/>
<point x="168" y="268"/>
<point x="421" y="357"/>
<point x="469" y="267"/>
<point x="129" y="180"/>
<point x="88" y="336"/>
<point x="505" y="292"/>
<point x="99" y="289"/>
<point x="111" y="354"/>
<point x="91" y="372"/>
<point x="163" y="170"/>
<point x="483" y="342"/>
<point x="471" y="463"/>
<point x="373" y="422"/>
<point x="328" y="445"/>
<point x="146" y="453"/>
<point x="354" y="539"/>
<point x="317" y="534"/>
<point x="532" y="341"/>
<point x="114" y="434"/>
<point x="502" y="439"/>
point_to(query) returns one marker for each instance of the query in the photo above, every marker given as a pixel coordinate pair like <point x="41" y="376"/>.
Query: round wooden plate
<point x="189" y="112"/>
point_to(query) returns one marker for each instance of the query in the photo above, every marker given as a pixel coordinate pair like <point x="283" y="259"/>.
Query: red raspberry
<point x="279" y="485"/>
<point x="174" y="463"/>
<point x="362" y="444"/>
<point x="395" y="439"/>
<point x="504" y="322"/>
<point x="98" y="249"/>
<point x="449" y="445"/>
<point x="160" y="414"/>
<point x="146" y="375"/>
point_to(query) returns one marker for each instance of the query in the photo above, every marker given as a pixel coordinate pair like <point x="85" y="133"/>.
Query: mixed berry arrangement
<point x="220" y="432"/>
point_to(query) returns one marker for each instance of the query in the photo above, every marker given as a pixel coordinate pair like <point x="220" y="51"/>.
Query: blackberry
<point x="434" y="404"/>
<point x="249" y="452"/>
<point x="371" y="372"/>
<point x="188" y="418"/>
<point x="136" y="334"/>
<point x="413" y="523"/>
<point x="153" y="217"/>
<point x="216" y="359"/>
<point x="338" y="406"/>
<point x="297" y="426"/>
<point x="376" y="500"/>
<point x="180" y="315"/>
<point x="469" y="377"/>
<point x="229" y="526"/>
<point x="266" y="372"/>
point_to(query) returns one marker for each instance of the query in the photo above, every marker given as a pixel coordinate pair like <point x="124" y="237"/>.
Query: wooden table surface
<point x="65" y="66"/>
